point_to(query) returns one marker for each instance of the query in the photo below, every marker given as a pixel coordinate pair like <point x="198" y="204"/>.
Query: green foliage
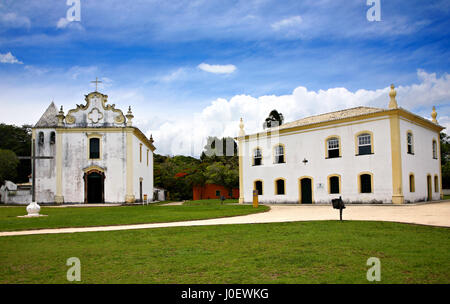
<point x="17" y="139"/>
<point x="8" y="165"/>
<point x="178" y="174"/>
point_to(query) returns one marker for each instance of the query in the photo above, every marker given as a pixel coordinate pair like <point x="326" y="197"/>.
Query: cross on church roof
<point x="96" y="83"/>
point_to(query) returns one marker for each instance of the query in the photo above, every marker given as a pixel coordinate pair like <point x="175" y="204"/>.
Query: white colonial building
<point x="363" y="154"/>
<point x="96" y="155"/>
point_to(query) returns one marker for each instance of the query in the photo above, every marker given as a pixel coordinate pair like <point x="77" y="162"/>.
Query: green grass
<point x="447" y="197"/>
<point x="300" y="252"/>
<point x="101" y="216"/>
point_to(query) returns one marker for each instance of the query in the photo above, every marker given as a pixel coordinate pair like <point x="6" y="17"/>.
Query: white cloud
<point x="14" y="21"/>
<point x="9" y="58"/>
<point x="287" y="23"/>
<point x="217" y="69"/>
<point x="187" y="135"/>
<point x="62" y="23"/>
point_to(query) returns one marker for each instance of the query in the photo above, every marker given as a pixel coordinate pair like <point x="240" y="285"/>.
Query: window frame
<point x="412" y="183"/>
<point x="360" y="182"/>
<point x="357" y="145"/>
<point x="275" y="155"/>
<point x="436" y="183"/>
<point x="254" y="156"/>
<point x="100" y="146"/>
<point x="434" y="149"/>
<point x="327" y="146"/>
<point x="408" y="144"/>
<point x="329" y="183"/>
<point x="276" y="186"/>
<point x="262" y="186"/>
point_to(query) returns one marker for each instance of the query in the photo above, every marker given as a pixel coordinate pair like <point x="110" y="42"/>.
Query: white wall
<point x="310" y="145"/>
<point x="421" y="162"/>
<point x="45" y="168"/>
<point x="142" y="170"/>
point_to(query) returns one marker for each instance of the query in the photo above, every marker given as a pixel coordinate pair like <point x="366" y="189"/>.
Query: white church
<point x="363" y="154"/>
<point x="92" y="154"/>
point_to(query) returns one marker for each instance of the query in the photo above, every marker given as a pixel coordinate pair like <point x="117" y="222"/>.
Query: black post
<point x="340" y="213"/>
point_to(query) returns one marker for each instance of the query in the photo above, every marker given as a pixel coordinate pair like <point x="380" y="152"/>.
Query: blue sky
<point x="150" y="54"/>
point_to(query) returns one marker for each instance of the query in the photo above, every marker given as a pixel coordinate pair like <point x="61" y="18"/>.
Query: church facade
<point x="363" y="154"/>
<point x="94" y="155"/>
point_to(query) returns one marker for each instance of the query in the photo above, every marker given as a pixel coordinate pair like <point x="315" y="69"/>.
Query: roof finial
<point x="129" y="117"/>
<point x="393" y="103"/>
<point x="60" y="117"/>
<point x="151" y="138"/>
<point x="241" y="127"/>
<point x="434" y="115"/>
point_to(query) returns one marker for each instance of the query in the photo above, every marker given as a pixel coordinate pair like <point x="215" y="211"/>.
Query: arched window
<point x="279" y="154"/>
<point x="41" y="138"/>
<point x="258" y="186"/>
<point x="364" y="144"/>
<point x="257" y="157"/>
<point x="410" y="142"/>
<point x="436" y="183"/>
<point x="334" y="184"/>
<point x="434" y="149"/>
<point x="412" y="183"/>
<point x="94" y="148"/>
<point x="280" y="186"/>
<point x="365" y="183"/>
<point x="52" y="138"/>
<point x="333" y="147"/>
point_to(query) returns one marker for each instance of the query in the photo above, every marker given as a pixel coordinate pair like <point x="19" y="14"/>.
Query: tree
<point x="18" y="140"/>
<point x="8" y="165"/>
<point x="222" y="174"/>
<point x="445" y="160"/>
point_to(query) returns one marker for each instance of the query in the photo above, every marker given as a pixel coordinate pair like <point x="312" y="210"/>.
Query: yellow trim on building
<point x="412" y="182"/>
<point x="262" y="185"/>
<point x="396" y="158"/>
<point x="241" y="171"/>
<point x="371" y="141"/>
<point x="329" y="184"/>
<point x="372" y="190"/>
<point x="253" y="155"/>
<point x="433" y="151"/>
<point x="129" y="198"/>
<point x="284" y="153"/>
<point x="93" y="167"/>
<point x="412" y="144"/>
<point x="100" y="137"/>
<point x="300" y="188"/>
<point x="326" y="144"/>
<point x="403" y="114"/>
<point x="140" y="152"/>
<point x="59" y="198"/>
<point x="436" y="183"/>
<point x="275" y="184"/>
<point x="440" y="168"/>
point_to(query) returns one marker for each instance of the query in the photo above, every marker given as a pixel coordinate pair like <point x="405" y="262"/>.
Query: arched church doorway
<point x="306" y="191"/>
<point x="94" y="182"/>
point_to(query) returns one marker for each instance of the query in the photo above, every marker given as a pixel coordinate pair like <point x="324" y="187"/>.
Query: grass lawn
<point x="137" y="214"/>
<point x="300" y="252"/>
<point x="447" y="197"/>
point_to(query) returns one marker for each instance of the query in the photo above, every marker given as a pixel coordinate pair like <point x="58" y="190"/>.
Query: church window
<point x="140" y="153"/>
<point x="412" y="183"/>
<point x="334" y="184"/>
<point x="364" y="144"/>
<point x="147" y="156"/>
<point x="52" y="138"/>
<point x="365" y="182"/>
<point x="41" y="138"/>
<point x="259" y="187"/>
<point x="333" y="147"/>
<point x="410" y="143"/>
<point x="436" y="183"/>
<point x="280" y="187"/>
<point x="94" y="148"/>
<point x="434" y="149"/>
<point x="279" y="154"/>
<point x="257" y="157"/>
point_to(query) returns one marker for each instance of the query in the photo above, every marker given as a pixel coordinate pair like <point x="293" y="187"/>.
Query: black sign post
<point x="338" y="204"/>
